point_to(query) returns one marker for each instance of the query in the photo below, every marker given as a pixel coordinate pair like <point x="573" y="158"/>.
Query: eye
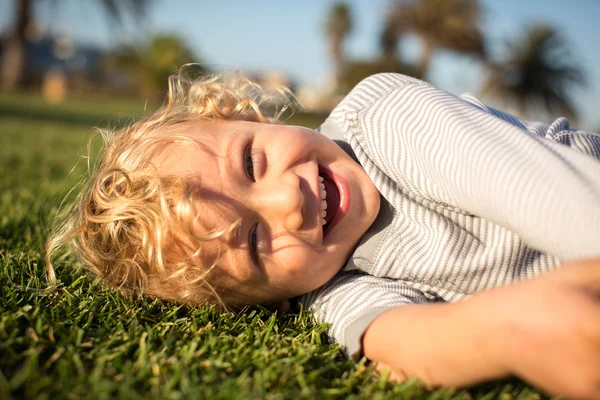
<point x="253" y="244"/>
<point x="249" y="162"/>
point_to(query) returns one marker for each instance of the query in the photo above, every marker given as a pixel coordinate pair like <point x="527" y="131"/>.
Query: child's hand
<point x="545" y="331"/>
<point x="549" y="329"/>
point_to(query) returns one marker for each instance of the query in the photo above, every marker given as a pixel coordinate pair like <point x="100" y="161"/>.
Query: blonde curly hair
<point x="129" y="224"/>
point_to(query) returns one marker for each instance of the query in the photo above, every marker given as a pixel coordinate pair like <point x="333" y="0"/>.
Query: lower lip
<point x="344" y="191"/>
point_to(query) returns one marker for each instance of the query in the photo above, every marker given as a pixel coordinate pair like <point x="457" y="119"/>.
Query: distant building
<point x="321" y="97"/>
<point x="270" y="79"/>
<point x="51" y="54"/>
<point x="58" y="65"/>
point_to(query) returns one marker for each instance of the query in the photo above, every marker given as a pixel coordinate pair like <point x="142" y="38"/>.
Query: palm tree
<point x="537" y="73"/>
<point x="13" y="48"/>
<point x="448" y="24"/>
<point x="388" y="40"/>
<point x="338" y="26"/>
<point x="13" y="65"/>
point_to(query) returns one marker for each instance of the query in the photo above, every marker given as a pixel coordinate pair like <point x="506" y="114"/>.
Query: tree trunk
<point x="521" y="107"/>
<point x="425" y="59"/>
<point x="13" y="58"/>
<point x="338" y="60"/>
<point x="388" y="41"/>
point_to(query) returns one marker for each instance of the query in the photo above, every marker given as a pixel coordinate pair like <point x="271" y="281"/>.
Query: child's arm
<point x="447" y="151"/>
<point x="546" y="331"/>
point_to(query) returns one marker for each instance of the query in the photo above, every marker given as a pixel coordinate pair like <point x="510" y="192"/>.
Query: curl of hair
<point x="126" y="223"/>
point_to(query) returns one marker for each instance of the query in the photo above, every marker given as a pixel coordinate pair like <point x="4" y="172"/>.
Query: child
<point x="408" y="195"/>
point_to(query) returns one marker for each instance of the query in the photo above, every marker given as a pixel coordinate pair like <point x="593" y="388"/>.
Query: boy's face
<point x="269" y="175"/>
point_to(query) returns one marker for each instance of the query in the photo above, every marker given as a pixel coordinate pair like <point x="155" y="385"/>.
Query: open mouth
<point x="330" y="199"/>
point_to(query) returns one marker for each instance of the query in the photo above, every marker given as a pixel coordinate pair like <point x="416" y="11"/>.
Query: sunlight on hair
<point x="134" y="228"/>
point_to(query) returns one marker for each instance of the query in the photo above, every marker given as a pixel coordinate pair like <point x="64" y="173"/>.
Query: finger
<point x="584" y="274"/>
<point x="392" y="375"/>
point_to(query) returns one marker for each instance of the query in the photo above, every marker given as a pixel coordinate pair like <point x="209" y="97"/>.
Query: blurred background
<point x="69" y="65"/>
<point x="536" y="58"/>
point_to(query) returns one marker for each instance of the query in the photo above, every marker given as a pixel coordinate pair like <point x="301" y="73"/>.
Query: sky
<point x="287" y="36"/>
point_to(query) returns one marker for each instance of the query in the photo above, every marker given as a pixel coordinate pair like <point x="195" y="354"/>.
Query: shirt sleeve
<point x="352" y="300"/>
<point x="447" y="150"/>
<point x="559" y="131"/>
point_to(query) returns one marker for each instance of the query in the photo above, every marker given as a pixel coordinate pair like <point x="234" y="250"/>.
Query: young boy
<point x="408" y="195"/>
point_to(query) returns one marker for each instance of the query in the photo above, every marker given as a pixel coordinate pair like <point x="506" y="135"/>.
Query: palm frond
<point x="450" y="24"/>
<point x="538" y="73"/>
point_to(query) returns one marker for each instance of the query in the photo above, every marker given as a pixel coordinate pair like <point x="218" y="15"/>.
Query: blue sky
<point x="287" y="36"/>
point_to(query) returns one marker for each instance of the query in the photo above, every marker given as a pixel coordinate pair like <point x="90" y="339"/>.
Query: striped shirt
<point x="471" y="199"/>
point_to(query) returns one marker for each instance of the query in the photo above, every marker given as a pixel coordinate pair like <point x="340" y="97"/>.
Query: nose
<point x="280" y="203"/>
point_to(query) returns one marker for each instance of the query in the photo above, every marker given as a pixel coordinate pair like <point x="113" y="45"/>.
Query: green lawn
<point x="84" y="341"/>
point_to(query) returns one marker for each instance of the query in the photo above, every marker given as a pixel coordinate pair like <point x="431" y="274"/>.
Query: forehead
<point x="195" y="150"/>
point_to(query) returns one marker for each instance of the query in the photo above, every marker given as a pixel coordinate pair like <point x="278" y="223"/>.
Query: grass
<point x="85" y="341"/>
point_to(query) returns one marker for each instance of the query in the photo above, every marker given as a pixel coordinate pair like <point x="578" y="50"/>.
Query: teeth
<point x="323" y="195"/>
<point x="323" y="211"/>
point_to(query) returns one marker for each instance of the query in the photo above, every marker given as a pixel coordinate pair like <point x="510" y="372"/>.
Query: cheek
<point x="301" y="266"/>
<point x="294" y="257"/>
<point x="302" y="139"/>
